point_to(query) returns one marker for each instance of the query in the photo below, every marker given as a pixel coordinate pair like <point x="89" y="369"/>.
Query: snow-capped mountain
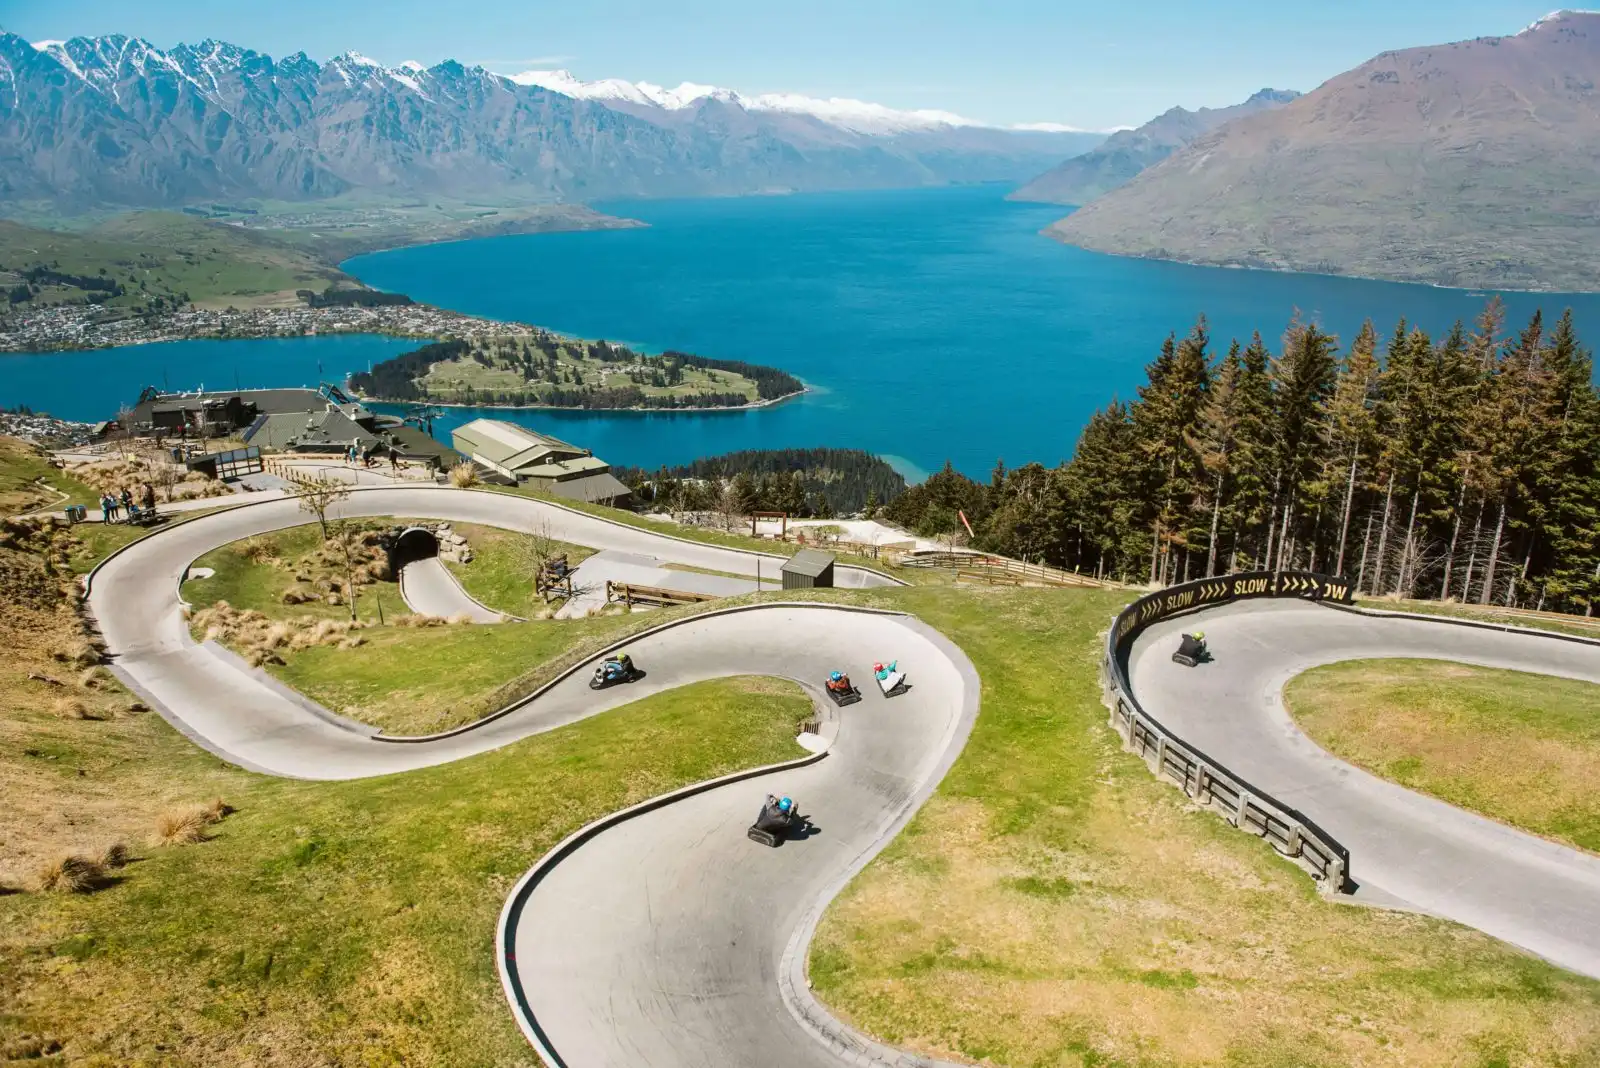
<point x="857" y="116"/>
<point x="115" y="120"/>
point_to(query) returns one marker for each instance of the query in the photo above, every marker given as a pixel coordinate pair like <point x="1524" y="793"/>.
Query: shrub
<point x="464" y="475"/>
<point x="185" y="826"/>
<point x="115" y="856"/>
<point x="72" y="708"/>
<point x="71" y="875"/>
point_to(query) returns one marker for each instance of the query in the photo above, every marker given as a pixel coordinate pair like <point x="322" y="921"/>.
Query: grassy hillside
<point x="242" y="256"/>
<point x="154" y="260"/>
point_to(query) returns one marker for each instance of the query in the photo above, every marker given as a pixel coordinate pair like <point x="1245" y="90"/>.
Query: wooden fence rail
<point x="630" y="595"/>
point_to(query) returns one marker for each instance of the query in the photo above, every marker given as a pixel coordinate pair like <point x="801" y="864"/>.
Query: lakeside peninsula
<point x="539" y="369"/>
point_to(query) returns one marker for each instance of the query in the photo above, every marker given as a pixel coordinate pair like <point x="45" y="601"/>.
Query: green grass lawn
<point x="497" y="575"/>
<point x="1516" y="747"/>
<point x="498" y="367"/>
<point x="411" y="681"/>
<point x="349" y="923"/>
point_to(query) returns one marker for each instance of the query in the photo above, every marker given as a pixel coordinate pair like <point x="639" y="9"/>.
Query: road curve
<point x="669" y="938"/>
<point x="428" y="588"/>
<point x="1405" y="848"/>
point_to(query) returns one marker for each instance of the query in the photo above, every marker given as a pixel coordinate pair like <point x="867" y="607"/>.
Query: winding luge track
<point x="1405" y="849"/>
<point x="669" y="938"/>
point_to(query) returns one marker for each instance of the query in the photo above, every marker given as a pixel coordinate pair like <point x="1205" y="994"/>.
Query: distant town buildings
<point x="528" y="458"/>
<point x="79" y="326"/>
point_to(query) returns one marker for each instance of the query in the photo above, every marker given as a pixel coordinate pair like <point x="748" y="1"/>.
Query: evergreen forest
<point x="805" y="483"/>
<point x="1464" y="466"/>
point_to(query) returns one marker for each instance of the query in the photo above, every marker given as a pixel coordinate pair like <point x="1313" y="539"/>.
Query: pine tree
<point x="1253" y="451"/>
<point x="1215" y="443"/>
<point x="1353" y="423"/>
<point x="1303" y="378"/>
<point x="1166" y="418"/>
<point x="1571" y="525"/>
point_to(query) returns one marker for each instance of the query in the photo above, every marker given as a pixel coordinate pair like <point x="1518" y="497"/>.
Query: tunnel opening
<point x="411" y="545"/>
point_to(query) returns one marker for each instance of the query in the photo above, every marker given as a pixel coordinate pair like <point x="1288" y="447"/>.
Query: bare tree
<point x="317" y="494"/>
<point x="124" y="428"/>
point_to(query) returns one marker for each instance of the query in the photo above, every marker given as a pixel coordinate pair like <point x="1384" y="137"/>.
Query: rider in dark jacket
<point x="776" y="814"/>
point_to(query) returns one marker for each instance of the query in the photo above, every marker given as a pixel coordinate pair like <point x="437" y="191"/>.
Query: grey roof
<point x="591" y="488"/>
<point x="412" y="442"/>
<point x="266" y="401"/>
<point x="302" y="430"/>
<point x="808" y="562"/>
<point x="509" y="445"/>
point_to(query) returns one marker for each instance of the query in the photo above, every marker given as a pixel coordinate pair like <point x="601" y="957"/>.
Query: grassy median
<point x="500" y="574"/>
<point x="1516" y="747"/>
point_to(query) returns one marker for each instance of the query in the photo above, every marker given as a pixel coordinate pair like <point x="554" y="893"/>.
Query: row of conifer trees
<point x="1465" y="466"/>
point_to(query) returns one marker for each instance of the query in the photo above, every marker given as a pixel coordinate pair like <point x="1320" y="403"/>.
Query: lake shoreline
<point x="1485" y="291"/>
<point x="571" y="408"/>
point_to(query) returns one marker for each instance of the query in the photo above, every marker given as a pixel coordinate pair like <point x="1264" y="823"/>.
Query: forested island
<point x="1465" y="466"/>
<point x="805" y="483"/>
<point x="542" y="369"/>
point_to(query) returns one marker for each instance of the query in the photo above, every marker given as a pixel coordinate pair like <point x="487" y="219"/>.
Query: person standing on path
<point x="147" y="497"/>
<point x="105" y="508"/>
<point x="127" y="500"/>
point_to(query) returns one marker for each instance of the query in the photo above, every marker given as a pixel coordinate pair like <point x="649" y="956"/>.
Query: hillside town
<point x="88" y="326"/>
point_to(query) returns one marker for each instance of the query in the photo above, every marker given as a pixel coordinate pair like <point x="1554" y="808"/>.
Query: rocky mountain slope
<point x="1128" y="152"/>
<point x="1470" y="164"/>
<point x="114" y="120"/>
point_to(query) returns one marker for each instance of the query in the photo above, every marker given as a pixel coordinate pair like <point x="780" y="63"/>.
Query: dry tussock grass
<point x="191" y="824"/>
<point x="72" y="708"/>
<point x="70" y="874"/>
<point x="464" y="475"/>
<point x="111" y="475"/>
<point x="261" y="640"/>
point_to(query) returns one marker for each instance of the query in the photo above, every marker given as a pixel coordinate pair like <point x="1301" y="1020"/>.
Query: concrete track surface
<point x="428" y="587"/>
<point x="1405" y="849"/>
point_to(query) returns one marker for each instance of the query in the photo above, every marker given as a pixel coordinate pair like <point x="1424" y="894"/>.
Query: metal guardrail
<point x="1205" y="780"/>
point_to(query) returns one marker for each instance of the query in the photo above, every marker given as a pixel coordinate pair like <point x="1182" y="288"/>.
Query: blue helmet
<point x="836" y="676"/>
<point x="785" y="805"/>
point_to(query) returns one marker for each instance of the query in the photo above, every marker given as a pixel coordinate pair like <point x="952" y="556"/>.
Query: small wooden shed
<point x="806" y="569"/>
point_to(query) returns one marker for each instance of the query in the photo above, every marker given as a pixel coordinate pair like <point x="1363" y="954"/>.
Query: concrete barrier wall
<point x="1205" y="780"/>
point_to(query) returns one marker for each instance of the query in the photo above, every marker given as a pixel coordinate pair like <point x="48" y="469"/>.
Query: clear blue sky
<point x="1093" y="65"/>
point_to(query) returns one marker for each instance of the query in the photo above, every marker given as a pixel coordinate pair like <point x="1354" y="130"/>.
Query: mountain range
<point x="116" y="121"/>
<point x="1470" y="164"/>
<point x="1126" y="153"/>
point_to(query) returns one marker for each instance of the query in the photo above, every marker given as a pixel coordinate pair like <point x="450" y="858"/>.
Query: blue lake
<point x="932" y="324"/>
